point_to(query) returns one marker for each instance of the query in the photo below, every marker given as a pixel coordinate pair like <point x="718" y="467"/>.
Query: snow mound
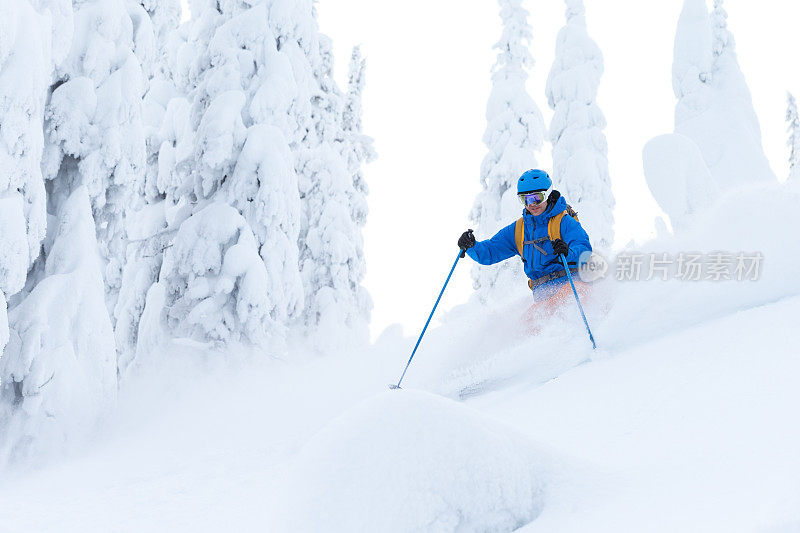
<point x="678" y="178"/>
<point x="413" y="461"/>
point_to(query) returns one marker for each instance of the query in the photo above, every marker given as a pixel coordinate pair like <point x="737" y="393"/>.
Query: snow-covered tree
<point x="216" y="283"/>
<point x="330" y="265"/>
<point x="201" y="136"/>
<point x="59" y="369"/>
<point x="358" y="150"/>
<point x="231" y="139"/>
<point x="80" y="73"/>
<point x="254" y="121"/>
<point x="164" y="16"/>
<point x="331" y="261"/>
<point x="95" y="118"/>
<point x="514" y="132"/>
<point x="329" y="236"/>
<point x="28" y="52"/>
<point x="165" y="180"/>
<point x="580" y="162"/>
<point x="793" y="127"/>
<point x="148" y="234"/>
<point x="33" y="39"/>
<point x="714" y="106"/>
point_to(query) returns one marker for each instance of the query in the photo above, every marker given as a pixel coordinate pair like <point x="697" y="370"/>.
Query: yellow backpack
<point x="553" y="230"/>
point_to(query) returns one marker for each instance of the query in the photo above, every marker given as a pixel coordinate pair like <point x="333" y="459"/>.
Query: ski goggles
<point x="532" y="198"/>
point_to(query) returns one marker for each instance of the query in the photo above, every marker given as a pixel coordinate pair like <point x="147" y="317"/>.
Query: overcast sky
<point x="428" y="81"/>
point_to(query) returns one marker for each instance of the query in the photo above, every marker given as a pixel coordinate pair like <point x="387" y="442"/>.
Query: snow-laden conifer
<point x="580" y="163"/>
<point x="358" y="147"/>
<point x="94" y="119"/>
<point x="329" y="256"/>
<point x="28" y="51"/>
<point x="92" y="154"/>
<point x="148" y="234"/>
<point x="358" y="150"/>
<point x="793" y="127"/>
<point x="331" y="186"/>
<point x="714" y="106"/>
<point x="164" y="16"/>
<point x="34" y="38"/>
<point x="226" y="139"/>
<point x="335" y="304"/>
<point x="58" y="369"/>
<point x="514" y="133"/>
<point x="216" y="283"/>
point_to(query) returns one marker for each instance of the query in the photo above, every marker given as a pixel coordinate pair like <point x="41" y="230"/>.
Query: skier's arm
<point x="498" y="248"/>
<point x="576" y="237"/>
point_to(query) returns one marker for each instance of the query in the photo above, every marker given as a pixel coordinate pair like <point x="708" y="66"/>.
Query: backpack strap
<point x="554" y="226"/>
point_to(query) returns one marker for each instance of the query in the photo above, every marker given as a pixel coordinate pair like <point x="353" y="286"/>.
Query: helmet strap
<point x="553" y="198"/>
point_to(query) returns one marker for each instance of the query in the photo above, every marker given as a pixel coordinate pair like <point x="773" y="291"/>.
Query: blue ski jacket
<point x="537" y="264"/>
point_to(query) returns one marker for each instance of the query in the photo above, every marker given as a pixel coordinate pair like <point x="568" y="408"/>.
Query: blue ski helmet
<point x="534" y="180"/>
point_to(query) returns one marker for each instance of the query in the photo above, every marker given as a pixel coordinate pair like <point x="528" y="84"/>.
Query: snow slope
<point x="684" y="420"/>
<point x="695" y="431"/>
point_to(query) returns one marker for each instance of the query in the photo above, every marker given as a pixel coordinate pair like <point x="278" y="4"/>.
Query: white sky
<point x="428" y="81"/>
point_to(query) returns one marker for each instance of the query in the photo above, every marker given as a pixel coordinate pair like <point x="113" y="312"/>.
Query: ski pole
<point x="569" y="275"/>
<point x="460" y="252"/>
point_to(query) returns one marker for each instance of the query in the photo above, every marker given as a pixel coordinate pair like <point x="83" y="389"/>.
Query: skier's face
<point x="536" y="209"/>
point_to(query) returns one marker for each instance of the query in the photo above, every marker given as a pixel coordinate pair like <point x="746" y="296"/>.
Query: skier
<point x="547" y="230"/>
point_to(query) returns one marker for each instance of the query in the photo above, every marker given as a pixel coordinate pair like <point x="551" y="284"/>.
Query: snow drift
<point x="412" y="461"/>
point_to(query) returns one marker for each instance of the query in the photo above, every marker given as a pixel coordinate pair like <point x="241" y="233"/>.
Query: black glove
<point x="467" y="240"/>
<point x="560" y="247"/>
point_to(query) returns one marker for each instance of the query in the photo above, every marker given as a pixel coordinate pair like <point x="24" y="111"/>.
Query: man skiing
<point x="547" y="230"/>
